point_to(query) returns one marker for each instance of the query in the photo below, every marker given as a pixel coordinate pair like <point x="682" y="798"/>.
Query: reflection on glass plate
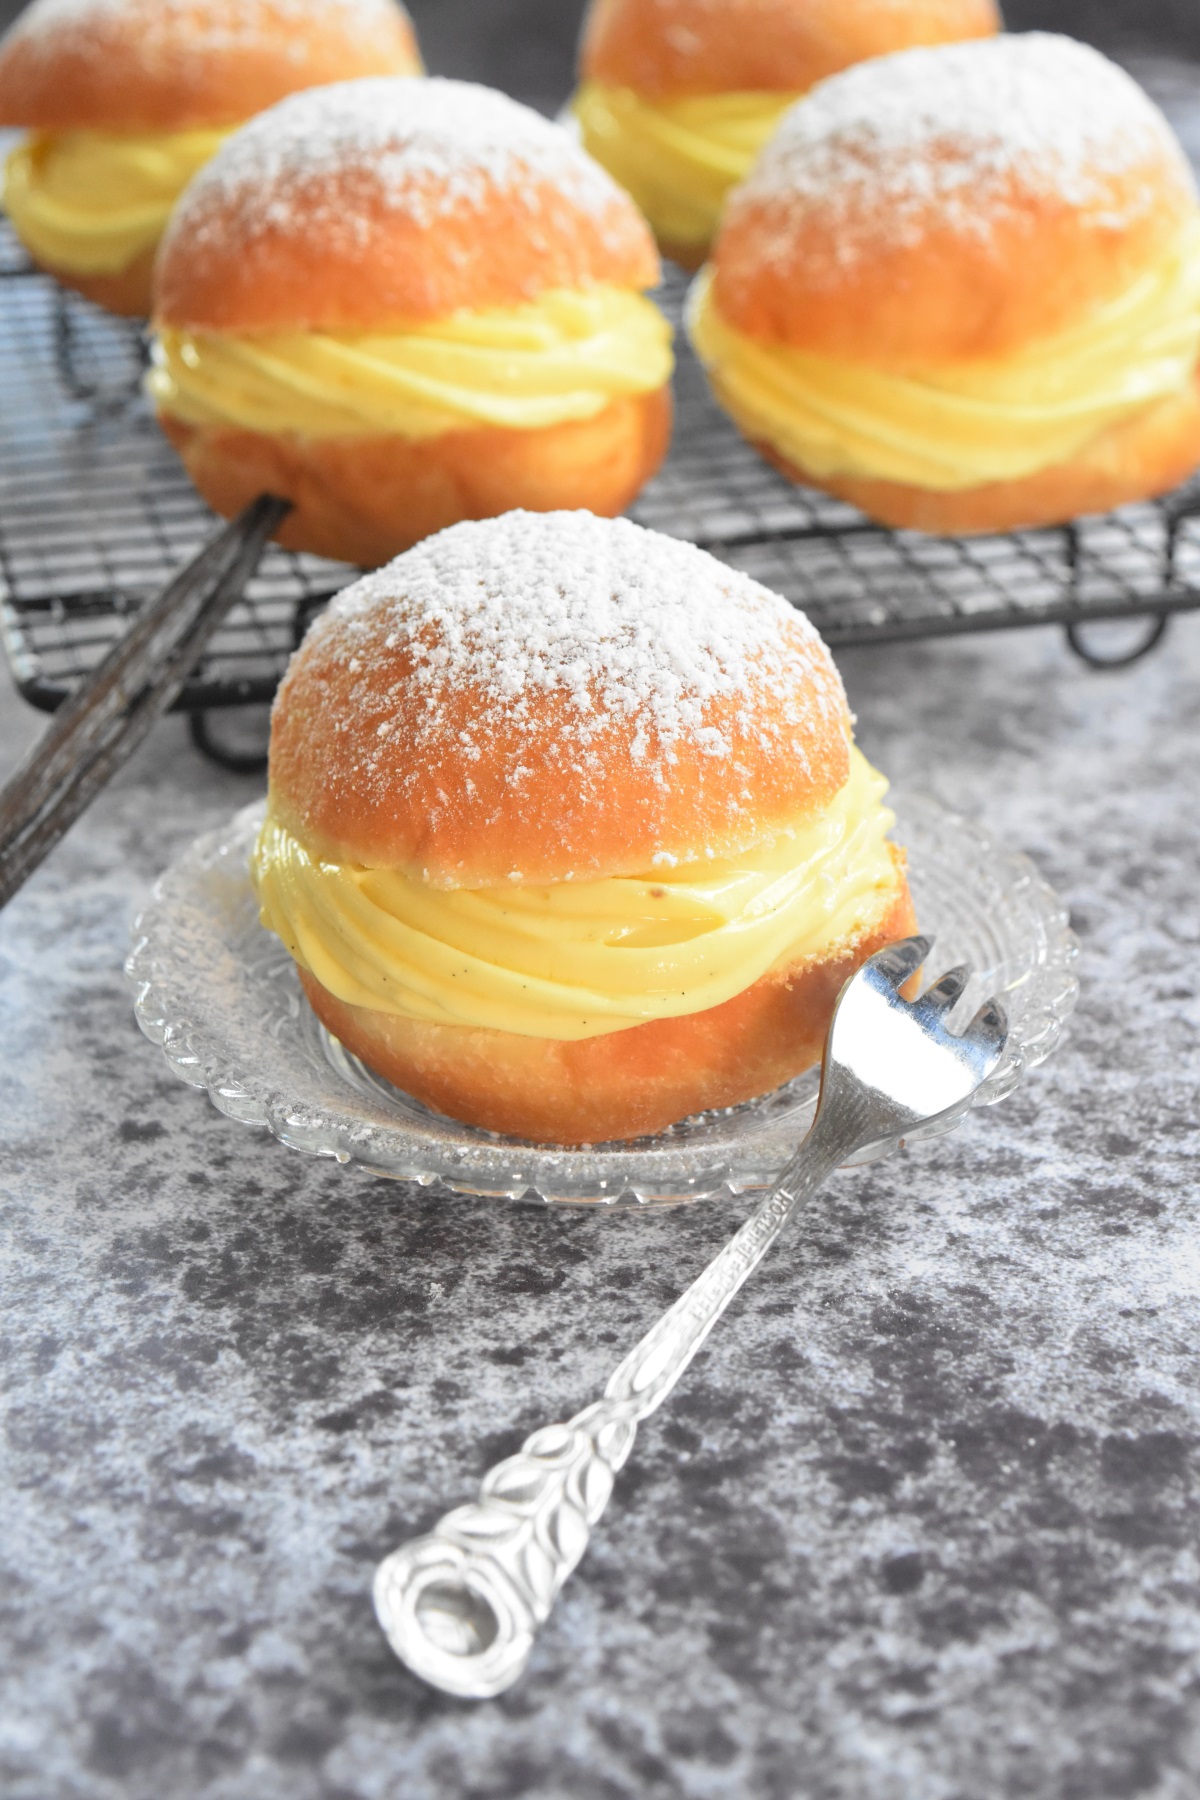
<point x="221" y="996"/>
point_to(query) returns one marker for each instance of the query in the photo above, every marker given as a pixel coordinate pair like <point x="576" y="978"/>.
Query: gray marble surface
<point x="920" y="1524"/>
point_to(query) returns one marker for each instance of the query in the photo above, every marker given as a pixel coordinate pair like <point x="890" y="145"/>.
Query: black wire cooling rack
<point x="96" y="514"/>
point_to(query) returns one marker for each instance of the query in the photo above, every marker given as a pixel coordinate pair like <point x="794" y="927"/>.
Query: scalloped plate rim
<point x="551" y="1182"/>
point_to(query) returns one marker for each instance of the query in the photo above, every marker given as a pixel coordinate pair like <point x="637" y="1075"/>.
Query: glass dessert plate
<point x="221" y="996"/>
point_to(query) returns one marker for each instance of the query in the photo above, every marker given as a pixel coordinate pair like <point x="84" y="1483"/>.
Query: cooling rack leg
<point x="1155" y="632"/>
<point x="67" y="359"/>
<point x="237" y="761"/>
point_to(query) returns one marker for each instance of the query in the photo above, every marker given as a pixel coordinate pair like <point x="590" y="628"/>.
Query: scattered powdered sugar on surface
<point x="209" y="25"/>
<point x="944" y="133"/>
<point x="626" y="625"/>
<point x="430" y="147"/>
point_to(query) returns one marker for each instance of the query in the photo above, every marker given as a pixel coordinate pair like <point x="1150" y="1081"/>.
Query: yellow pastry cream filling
<point x="579" y="959"/>
<point x="678" y="158"/>
<point x="961" y="424"/>
<point x="94" y="202"/>
<point x="567" y="355"/>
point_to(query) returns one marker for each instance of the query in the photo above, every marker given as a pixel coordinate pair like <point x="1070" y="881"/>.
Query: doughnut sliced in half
<point x="567" y="830"/>
<point x="403" y="303"/>
<point x="961" y="288"/>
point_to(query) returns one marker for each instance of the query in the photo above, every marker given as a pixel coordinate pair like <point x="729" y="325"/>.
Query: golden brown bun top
<point x="957" y="202"/>
<point x="167" y="65"/>
<point x="377" y="203"/>
<point x="671" y="48"/>
<point x="547" y="696"/>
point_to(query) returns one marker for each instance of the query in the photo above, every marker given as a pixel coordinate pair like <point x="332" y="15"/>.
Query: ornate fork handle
<point x="463" y="1605"/>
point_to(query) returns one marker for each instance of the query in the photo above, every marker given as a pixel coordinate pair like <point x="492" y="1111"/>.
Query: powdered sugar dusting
<point x="207" y="26"/>
<point x="949" y="133"/>
<point x="627" y="626"/>
<point x="427" y="148"/>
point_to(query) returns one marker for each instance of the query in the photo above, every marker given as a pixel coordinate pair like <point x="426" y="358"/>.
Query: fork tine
<point x="944" y="992"/>
<point x="989" y="1027"/>
<point x="899" y="961"/>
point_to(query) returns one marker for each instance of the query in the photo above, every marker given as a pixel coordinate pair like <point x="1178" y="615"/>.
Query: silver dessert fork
<point x="462" y="1605"/>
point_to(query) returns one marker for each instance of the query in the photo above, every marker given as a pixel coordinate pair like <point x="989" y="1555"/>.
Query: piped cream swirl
<point x="94" y="202"/>
<point x="565" y="356"/>
<point x="579" y="959"/>
<point x="678" y="158"/>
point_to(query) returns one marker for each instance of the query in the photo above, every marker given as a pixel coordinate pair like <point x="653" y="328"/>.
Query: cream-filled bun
<point x="123" y="100"/>
<point x="403" y="303"/>
<point x="961" y="289"/>
<point x="677" y="97"/>
<point x="567" y="830"/>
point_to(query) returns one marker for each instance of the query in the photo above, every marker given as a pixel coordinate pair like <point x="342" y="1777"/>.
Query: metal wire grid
<point x="861" y="583"/>
<point x="96" y="514"/>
